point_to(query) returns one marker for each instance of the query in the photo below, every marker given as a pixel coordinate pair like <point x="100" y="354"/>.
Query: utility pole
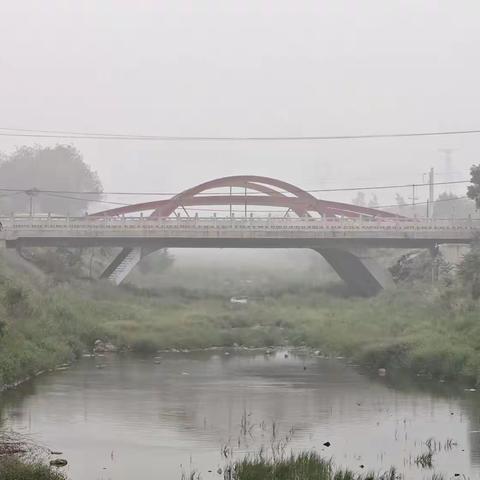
<point x="245" y="201"/>
<point x="31" y="193"/>
<point x="448" y="167"/>
<point x="413" y="198"/>
<point x="431" y="193"/>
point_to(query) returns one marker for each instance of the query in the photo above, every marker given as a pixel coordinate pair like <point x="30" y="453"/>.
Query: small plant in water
<point x="424" y="460"/>
<point x="302" y="466"/>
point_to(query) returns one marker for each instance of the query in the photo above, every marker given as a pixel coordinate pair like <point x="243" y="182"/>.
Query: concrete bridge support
<point x="356" y="267"/>
<point x="359" y="270"/>
<point x="125" y="262"/>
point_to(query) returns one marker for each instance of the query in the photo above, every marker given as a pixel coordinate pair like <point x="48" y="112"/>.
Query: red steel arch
<point x="274" y="193"/>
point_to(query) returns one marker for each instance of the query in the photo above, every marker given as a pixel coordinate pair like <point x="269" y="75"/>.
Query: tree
<point x="373" y="203"/>
<point x="30" y="169"/>
<point x="469" y="269"/>
<point x="400" y="200"/>
<point x="157" y="262"/>
<point x="473" y="191"/>
<point x="359" y="199"/>
<point x="448" y="205"/>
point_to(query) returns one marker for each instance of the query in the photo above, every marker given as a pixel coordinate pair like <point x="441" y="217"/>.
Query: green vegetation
<point x="304" y="466"/>
<point x="45" y="323"/>
<point x="473" y="191"/>
<point x="424" y="460"/>
<point x="12" y="468"/>
<point x="469" y="270"/>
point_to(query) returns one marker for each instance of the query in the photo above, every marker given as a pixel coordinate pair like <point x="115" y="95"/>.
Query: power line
<point x="91" y="200"/>
<point x="19" y="132"/>
<point x="409" y="205"/>
<point x="259" y="211"/>
<point x="228" y="210"/>
<point x="319" y="190"/>
<point x="384" y="187"/>
<point x="11" y="194"/>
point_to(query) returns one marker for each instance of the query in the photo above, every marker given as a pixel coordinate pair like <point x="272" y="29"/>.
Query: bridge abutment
<point x="358" y="269"/>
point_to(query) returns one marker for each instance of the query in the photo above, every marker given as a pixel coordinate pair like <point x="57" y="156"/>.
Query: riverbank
<point x="22" y="459"/>
<point x="15" y="469"/>
<point x="422" y="329"/>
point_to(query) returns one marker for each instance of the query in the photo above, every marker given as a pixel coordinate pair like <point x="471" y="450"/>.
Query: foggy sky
<point x="247" y="67"/>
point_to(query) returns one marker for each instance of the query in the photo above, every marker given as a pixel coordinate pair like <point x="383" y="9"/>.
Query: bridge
<point x="345" y="235"/>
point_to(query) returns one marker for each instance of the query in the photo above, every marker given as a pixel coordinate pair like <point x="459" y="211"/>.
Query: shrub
<point x="14" y="469"/>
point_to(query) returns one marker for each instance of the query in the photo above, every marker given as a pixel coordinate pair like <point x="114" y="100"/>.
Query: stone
<point x="104" y="347"/>
<point x="58" y="462"/>
<point x="110" y="347"/>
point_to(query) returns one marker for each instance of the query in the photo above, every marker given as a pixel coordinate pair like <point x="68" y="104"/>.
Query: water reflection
<point x="137" y="418"/>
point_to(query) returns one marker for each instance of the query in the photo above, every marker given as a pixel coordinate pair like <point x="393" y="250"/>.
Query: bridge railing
<point x="53" y="223"/>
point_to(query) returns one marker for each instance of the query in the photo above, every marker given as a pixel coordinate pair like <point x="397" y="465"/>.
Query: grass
<point x="12" y="468"/>
<point x="44" y="323"/>
<point x="424" y="460"/>
<point x="303" y="466"/>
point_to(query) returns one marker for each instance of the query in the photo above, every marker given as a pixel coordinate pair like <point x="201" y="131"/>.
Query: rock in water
<point x="58" y="462"/>
<point x="104" y="347"/>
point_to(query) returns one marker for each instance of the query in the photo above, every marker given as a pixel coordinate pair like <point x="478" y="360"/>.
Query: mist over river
<point x="139" y="418"/>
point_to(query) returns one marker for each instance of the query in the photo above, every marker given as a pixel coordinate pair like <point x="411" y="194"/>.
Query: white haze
<point x="253" y="67"/>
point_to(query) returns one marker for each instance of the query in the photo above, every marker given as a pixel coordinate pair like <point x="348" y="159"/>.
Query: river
<point x="137" y="418"/>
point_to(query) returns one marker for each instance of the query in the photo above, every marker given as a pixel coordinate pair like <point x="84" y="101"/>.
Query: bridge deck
<point x="237" y="232"/>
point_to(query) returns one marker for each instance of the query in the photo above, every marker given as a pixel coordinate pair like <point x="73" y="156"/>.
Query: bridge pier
<point x="360" y="271"/>
<point x="355" y="266"/>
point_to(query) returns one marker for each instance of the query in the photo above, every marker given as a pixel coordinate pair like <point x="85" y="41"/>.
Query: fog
<point x="246" y="68"/>
<point x="145" y="347"/>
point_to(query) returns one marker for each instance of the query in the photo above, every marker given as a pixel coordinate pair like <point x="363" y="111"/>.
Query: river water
<point x="136" y="418"/>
